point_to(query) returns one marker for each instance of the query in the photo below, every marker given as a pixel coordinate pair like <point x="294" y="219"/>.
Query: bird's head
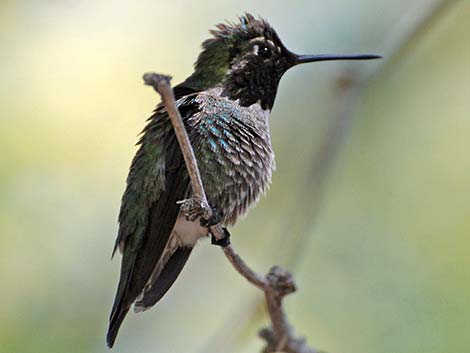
<point x="248" y="59"/>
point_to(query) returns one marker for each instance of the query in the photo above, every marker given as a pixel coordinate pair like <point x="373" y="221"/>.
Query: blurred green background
<point x="369" y="207"/>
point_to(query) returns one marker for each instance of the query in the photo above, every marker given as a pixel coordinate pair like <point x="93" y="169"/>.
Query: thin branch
<point x="277" y="283"/>
<point x="161" y="84"/>
<point x="243" y="269"/>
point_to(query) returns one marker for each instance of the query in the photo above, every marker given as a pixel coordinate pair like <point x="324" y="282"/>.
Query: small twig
<point x="277" y="283"/>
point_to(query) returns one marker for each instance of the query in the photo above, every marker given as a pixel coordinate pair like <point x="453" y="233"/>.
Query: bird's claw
<point x="216" y="218"/>
<point x="192" y="209"/>
<point x="225" y="241"/>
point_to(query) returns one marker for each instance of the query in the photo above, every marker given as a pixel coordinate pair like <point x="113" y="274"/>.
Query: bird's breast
<point x="233" y="147"/>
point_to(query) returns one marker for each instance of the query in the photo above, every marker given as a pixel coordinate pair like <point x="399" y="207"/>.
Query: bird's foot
<point x="222" y="242"/>
<point x="192" y="209"/>
<point x="216" y="218"/>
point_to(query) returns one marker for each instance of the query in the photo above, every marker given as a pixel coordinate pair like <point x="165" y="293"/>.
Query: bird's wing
<point x="171" y="268"/>
<point x="156" y="181"/>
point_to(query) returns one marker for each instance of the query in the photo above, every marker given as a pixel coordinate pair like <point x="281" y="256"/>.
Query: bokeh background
<point x="369" y="207"/>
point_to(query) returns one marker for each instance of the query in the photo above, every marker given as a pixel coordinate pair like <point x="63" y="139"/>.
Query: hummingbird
<point x="225" y="105"/>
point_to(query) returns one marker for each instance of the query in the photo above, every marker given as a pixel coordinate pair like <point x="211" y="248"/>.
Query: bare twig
<point x="161" y="84"/>
<point x="242" y="268"/>
<point x="277" y="283"/>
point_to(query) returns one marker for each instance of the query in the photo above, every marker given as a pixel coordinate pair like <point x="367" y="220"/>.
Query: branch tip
<point x="156" y="80"/>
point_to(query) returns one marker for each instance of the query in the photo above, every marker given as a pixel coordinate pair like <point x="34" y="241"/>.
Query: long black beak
<point x="302" y="59"/>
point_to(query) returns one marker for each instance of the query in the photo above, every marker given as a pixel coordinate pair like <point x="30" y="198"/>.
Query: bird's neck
<point x="243" y="86"/>
<point x="250" y="87"/>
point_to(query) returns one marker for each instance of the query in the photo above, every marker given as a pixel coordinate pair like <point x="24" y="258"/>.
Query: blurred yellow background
<point x="369" y="207"/>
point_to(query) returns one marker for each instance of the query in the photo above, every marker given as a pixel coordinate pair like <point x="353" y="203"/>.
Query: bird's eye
<point x="264" y="52"/>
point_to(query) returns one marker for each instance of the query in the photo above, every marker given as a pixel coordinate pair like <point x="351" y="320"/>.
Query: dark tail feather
<point x="114" y="325"/>
<point x="165" y="280"/>
<point x="122" y="303"/>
